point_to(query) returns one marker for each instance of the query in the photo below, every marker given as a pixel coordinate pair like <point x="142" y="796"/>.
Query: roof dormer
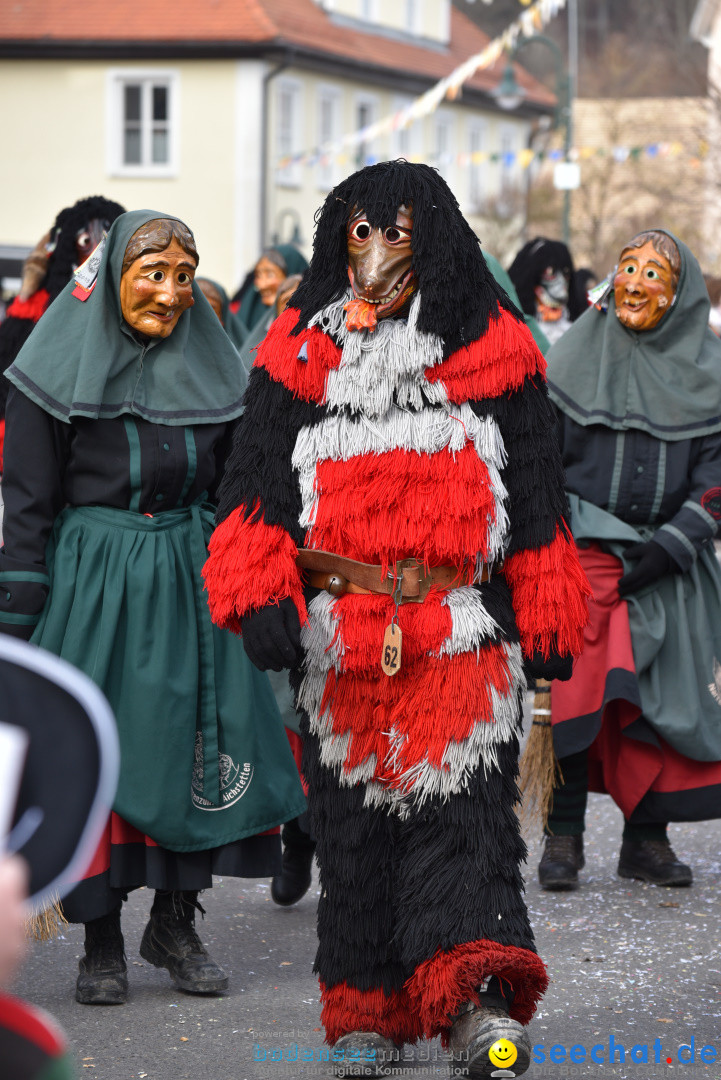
<point x="425" y="20"/>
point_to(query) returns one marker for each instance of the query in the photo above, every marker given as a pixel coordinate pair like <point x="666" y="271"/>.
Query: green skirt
<point x="204" y="757"/>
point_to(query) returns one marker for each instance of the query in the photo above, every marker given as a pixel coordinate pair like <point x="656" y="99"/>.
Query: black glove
<point x="271" y="636"/>
<point x="654" y="562"/>
<point x="555" y="667"/>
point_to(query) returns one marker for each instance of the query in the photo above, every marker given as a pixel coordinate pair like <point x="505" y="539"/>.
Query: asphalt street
<point x="629" y="962"/>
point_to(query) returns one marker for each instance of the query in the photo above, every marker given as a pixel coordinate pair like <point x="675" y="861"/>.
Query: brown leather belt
<point x="407" y="580"/>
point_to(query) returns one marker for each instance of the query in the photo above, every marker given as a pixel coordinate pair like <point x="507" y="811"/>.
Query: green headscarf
<point x="508" y="287"/>
<point x="666" y="381"/>
<point x="83" y="360"/>
<point x="252" y="309"/>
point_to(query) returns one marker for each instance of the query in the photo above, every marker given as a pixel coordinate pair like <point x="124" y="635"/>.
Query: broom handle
<point x="542" y="717"/>
<point x="542" y="703"/>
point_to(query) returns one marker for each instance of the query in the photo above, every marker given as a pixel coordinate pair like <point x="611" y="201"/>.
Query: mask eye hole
<point x="361" y="230"/>
<point x="396" y="234"/>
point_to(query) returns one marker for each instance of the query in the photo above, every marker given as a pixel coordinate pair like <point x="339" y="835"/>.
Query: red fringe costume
<point x="379" y="446"/>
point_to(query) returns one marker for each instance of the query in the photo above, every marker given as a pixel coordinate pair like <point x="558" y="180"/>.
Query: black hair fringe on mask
<point x="526" y="269"/>
<point x="458" y="292"/>
<point x="67" y="225"/>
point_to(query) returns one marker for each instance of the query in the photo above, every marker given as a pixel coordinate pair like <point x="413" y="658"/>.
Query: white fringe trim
<point x="381" y="366"/>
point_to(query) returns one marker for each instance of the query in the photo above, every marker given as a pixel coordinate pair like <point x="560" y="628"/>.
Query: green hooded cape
<point x="82" y="358"/>
<point x="666" y="381"/>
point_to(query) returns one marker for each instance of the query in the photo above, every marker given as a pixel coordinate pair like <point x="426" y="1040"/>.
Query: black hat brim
<point x="71" y="768"/>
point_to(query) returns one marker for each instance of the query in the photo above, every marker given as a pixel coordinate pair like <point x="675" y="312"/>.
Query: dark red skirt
<point x="599" y="709"/>
<point x="126" y="859"/>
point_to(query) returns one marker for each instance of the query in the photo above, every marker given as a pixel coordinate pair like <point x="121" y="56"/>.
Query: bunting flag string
<point x="524" y="158"/>
<point x="533" y="19"/>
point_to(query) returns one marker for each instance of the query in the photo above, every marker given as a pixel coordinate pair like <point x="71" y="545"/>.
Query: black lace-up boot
<point x="103" y="978"/>
<point x="561" y="860"/>
<point x="654" y="861"/>
<point x="171" y="941"/>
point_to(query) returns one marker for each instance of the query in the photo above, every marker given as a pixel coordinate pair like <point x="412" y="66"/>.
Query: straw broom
<point x="46" y="924"/>
<point x="539" y="768"/>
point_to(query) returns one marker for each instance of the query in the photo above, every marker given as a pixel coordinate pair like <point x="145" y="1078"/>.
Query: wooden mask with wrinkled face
<point x="157" y="286"/>
<point x="643" y="287"/>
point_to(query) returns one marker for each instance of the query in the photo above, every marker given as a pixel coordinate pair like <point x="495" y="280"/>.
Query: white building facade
<point x="225" y="133"/>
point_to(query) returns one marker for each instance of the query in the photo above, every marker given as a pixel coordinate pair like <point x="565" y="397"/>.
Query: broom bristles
<point x="46" y="924"/>
<point x="539" y="770"/>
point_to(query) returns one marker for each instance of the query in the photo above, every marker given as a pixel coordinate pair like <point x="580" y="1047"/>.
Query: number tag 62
<point x="391" y="652"/>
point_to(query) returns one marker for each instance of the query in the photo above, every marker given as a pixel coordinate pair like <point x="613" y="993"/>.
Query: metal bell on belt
<point x="336" y="584"/>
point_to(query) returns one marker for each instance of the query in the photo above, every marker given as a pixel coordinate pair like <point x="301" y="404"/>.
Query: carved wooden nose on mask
<point x="378" y="267"/>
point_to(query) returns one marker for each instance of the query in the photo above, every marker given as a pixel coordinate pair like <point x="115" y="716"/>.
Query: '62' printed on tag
<point x="391" y="654"/>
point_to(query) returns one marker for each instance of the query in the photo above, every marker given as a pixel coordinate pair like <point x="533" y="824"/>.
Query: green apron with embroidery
<point x="204" y="757"/>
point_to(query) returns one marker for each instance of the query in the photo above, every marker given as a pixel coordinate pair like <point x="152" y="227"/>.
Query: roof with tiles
<point x="250" y="25"/>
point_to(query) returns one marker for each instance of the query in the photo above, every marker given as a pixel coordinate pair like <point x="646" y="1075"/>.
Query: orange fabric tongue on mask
<point x="548" y="314"/>
<point x="361" y="315"/>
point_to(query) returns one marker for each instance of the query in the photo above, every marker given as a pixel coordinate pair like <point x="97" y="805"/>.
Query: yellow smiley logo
<point x="503" y="1053"/>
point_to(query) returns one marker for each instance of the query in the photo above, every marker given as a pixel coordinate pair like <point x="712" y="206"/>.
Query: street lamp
<point x="509" y="95"/>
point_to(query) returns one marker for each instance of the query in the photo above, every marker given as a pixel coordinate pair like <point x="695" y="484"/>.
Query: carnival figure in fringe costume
<point x="391" y="528"/>
<point x="119" y="420"/>
<point x="637" y="382"/>
<point x="48" y="268"/>
<point x="543" y="275"/>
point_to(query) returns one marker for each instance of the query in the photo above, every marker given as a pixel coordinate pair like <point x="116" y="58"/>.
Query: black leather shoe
<point x="473" y="1036"/>
<point x="293" y="881"/>
<point x="103" y="978"/>
<point x="171" y="941"/>
<point x="561" y="860"/>
<point x="653" y="861"/>
<point x="365" y="1053"/>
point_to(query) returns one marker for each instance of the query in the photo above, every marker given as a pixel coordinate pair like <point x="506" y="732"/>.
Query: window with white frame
<point x="413" y="20"/>
<point x="476" y="172"/>
<point x="143" y="122"/>
<point x="443" y="143"/>
<point x="288" y="132"/>
<point x="444" y="15"/>
<point x="329" y="132"/>
<point x="365" y="114"/>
